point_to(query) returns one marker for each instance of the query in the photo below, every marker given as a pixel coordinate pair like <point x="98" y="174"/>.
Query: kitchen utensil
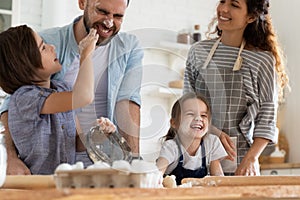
<point x="107" y="147"/>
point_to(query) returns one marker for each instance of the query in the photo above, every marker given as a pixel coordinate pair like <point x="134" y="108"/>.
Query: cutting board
<point x="243" y="180"/>
<point x="29" y="182"/>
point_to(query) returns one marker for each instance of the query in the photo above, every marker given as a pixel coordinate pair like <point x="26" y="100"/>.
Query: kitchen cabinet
<point x="281" y="169"/>
<point x="9" y="13"/>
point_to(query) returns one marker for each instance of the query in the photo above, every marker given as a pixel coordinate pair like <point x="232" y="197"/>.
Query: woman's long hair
<point x="176" y="111"/>
<point x="260" y="34"/>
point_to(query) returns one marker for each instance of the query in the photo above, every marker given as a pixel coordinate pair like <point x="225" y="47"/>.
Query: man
<point x="118" y="72"/>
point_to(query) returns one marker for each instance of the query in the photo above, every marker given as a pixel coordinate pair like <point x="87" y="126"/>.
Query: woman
<point x="241" y="73"/>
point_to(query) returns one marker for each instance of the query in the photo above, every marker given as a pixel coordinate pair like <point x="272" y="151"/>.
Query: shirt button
<point x="62" y="127"/>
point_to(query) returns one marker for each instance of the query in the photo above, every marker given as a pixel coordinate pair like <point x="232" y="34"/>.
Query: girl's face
<point x="233" y="16"/>
<point x="194" y="119"/>
<point x="50" y="62"/>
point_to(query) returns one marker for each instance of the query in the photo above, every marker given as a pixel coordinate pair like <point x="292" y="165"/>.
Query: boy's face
<point x="106" y="16"/>
<point x="50" y="62"/>
<point x="194" y="121"/>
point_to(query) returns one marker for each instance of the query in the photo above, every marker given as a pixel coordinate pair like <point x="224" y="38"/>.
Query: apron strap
<point x="238" y="63"/>
<point x="211" y="53"/>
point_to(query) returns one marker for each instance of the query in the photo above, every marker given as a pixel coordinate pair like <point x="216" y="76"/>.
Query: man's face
<point x="106" y="16"/>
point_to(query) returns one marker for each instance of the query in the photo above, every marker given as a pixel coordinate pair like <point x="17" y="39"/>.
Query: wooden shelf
<point x="175" y="46"/>
<point x="280" y="166"/>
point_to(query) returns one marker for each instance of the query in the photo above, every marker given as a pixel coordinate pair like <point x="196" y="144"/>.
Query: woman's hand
<point x="106" y="125"/>
<point x="248" y="167"/>
<point x="228" y="145"/>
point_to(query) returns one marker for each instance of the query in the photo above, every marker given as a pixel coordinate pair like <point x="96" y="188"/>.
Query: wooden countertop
<point x="232" y="188"/>
<point x="238" y="192"/>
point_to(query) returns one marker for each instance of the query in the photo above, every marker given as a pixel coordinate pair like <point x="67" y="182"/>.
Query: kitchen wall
<point x="157" y="21"/>
<point x="284" y="13"/>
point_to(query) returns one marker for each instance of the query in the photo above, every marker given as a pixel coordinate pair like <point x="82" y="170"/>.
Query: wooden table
<point x="229" y="190"/>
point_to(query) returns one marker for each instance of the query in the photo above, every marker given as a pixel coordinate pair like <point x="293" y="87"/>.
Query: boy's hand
<point x="87" y="44"/>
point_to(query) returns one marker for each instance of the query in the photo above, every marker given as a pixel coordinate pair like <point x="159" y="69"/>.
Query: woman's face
<point x="233" y="16"/>
<point x="194" y="120"/>
<point x="50" y="62"/>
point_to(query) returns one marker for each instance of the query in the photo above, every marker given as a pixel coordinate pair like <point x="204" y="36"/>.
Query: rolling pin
<point x="28" y="182"/>
<point x="242" y="180"/>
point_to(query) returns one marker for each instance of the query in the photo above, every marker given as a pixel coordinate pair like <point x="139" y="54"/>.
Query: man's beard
<point x="99" y="42"/>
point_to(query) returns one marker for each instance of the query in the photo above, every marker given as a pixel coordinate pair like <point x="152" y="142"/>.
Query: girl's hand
<point x="106" y="125"/>
<point x="87" y="44"/>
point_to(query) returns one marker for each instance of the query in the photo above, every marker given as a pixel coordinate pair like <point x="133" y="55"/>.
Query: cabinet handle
<point x="274" y="172"/>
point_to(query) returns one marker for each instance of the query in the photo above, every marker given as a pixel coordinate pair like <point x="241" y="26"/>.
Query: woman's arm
<point x="250" y="165"/>
<point x="83" y="91"/>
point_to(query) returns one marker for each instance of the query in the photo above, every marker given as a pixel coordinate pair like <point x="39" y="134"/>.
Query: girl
<point x="41" y="120"/>
<point x="188" y="150"/>
<point x="238" y="73"/>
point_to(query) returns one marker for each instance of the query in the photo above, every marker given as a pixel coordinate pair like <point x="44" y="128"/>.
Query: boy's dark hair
<point x="19" y="58"/>
<point x="176" y="111"/>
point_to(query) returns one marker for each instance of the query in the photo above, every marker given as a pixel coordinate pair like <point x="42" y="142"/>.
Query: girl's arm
<point x="162" y="164"/>
<point x="83" y="90"/>
<point x="216" y="168"/>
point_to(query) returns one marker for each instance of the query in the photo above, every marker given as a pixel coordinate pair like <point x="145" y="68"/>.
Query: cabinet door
<point x="5" y="14"/>
<point x="9" y="13"/>
<point x="296" y="171"/>
<point x="6" y="4"/>
<point x="280" y="172"/>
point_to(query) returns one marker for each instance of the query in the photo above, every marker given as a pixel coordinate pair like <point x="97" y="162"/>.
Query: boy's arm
<point x="15" y="166"/>
<point x="83" y="90"/>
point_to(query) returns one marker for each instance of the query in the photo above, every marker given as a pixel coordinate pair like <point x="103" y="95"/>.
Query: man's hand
<point x="106" y="125"/>
<point x="15" y="166"/>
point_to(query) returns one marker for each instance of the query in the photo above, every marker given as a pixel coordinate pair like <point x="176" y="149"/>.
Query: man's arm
<point x="128" y="122"/>
<point x="15" y="166"/>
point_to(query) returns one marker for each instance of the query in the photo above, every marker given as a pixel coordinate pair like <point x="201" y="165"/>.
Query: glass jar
<point x="3" y="160"/>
